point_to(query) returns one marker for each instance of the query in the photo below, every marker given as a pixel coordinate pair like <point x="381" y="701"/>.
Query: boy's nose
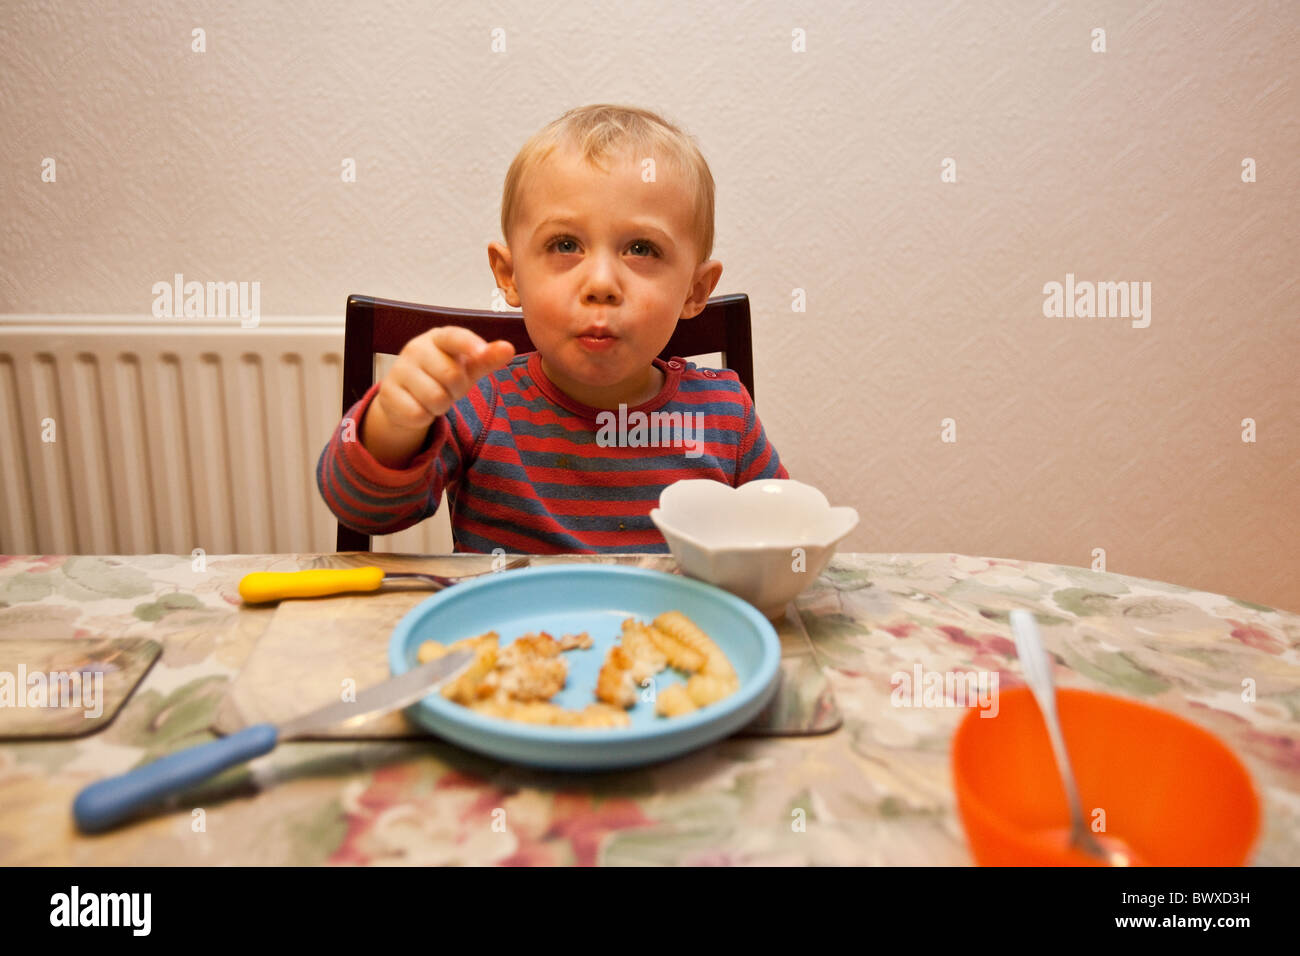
<point x="600" y="283"/>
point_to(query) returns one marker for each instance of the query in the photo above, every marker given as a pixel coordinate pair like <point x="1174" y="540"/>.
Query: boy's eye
<point x="560" y="244"/>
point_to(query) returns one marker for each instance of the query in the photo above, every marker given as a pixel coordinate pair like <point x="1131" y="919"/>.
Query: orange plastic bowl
<point x="1172" y="792"/>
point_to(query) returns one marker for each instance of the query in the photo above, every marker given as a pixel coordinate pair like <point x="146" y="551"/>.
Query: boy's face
<point x="603" y="265"/>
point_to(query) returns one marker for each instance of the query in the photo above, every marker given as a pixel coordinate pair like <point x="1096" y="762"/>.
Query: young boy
<point x="608" y="220"/>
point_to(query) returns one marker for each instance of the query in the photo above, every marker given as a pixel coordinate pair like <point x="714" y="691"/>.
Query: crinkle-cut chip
<point x="642" y="673"/>
<point x="476" y="644"/>
<point x="615" y="684"/>
<point x="705" y="689"/>
<point x="431" y="651"/>
<point x="679" y="655"/>
<point x="603" y="715"/>
<point x="545" y="713"/>
<point x="571" y="642"/>
<point x="673" y="701"/>
<point x="594" y="715"/>
<point x="650" y="660"/>
<point x="529" y="712"/>
<point x="685" y="630"/>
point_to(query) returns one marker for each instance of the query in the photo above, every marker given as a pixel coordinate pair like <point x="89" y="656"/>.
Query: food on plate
<point x="530" y="669"/>
<point x="615" y="684"/>
<point x="705" y="689"/>
<point x="571" y="641"/>
<point x="647" y="658"/>
<point x="517" y="682"/>
<point x="681" y="656"/>
<point x="673" y="639"/>
<point x="682" y="628"/>
<point x="629" y="665"/>
<point x="673" y="701"/>
<point x="464" y="688"/>
<point x="544" y="712"/>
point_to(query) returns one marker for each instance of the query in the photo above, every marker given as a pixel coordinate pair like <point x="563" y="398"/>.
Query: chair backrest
<point x="384" y="326"/>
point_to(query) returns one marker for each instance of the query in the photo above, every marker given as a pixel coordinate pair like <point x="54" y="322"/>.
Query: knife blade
<point x="106" y="803"/>
<point x="392" y="694"/>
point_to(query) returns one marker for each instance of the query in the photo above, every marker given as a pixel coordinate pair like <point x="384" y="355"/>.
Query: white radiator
<point x="128" y="435"/>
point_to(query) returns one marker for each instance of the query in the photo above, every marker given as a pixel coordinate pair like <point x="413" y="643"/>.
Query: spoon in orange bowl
<point x="1037" y="669"/>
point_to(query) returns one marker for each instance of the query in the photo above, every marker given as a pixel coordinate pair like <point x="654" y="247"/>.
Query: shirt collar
<point x="672" y="370"/>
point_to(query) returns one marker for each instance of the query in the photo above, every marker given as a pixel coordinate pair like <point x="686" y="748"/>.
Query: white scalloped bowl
<point x="765" y="541"/>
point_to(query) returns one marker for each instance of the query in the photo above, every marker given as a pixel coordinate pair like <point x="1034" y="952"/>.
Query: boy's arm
<point x="757" y="458"/>
<point x="392" y="446"/>
<point x="373" y="497"/>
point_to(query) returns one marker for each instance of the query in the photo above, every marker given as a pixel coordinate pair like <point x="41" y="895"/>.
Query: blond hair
<point x="602" y="131"/>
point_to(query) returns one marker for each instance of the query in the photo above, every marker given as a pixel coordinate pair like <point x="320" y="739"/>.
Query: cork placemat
<point x="315" y="650"/>
<point x="311" y="653"/>
<point x="804" y="703"/>
<point x="60" y="687"/>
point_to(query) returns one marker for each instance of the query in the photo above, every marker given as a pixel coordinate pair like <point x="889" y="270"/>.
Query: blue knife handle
<point x="106" y="803"/>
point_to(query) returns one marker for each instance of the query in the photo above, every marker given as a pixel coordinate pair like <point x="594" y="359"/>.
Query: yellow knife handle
<point x="262" y="586"/>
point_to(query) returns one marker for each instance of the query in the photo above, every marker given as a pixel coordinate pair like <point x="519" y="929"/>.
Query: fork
<point x="263" y="586"/>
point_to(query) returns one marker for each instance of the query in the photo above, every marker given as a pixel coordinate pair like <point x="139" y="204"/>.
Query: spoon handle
<point x="1037" y="668"/>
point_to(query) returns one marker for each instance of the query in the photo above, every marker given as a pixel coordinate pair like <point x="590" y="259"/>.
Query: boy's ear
<point x="704" y="282"/>
<point x="503" y="268"/>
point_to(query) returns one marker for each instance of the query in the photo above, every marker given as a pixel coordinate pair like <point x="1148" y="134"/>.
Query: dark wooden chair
<point x="384" y="326"/>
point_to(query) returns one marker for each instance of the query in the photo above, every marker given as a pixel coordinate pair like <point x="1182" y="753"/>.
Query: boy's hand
<point x="433" y="372"/>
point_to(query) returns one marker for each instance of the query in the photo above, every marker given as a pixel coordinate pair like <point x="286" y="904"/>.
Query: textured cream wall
<point x="924" y="298"/>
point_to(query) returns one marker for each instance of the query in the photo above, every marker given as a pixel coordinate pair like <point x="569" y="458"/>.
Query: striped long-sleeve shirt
<point x="528" y="469"/>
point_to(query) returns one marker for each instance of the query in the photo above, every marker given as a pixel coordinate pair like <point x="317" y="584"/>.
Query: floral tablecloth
<point x="876" y="791"/>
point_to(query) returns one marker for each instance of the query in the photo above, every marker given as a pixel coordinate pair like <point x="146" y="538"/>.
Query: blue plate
<point x="596" y="598"/>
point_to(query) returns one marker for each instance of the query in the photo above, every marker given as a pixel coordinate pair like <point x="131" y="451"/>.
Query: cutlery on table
<point x="1037" y="668"/>
<point x="262" y="586"/>
<point x="108" y="802"/>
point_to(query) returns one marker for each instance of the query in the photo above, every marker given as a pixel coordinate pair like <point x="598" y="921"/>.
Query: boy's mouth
<point x="597" y="337"/>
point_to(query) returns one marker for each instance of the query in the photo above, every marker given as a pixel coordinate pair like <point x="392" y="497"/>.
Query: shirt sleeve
<point x="757" y="457"/>
<point x="368" y="496"/>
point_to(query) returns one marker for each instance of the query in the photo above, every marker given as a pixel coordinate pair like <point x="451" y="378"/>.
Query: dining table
<point x="850" y="772"/>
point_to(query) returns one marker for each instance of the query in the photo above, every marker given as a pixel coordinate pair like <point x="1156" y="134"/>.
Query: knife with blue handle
<point x="107" y="803"/>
